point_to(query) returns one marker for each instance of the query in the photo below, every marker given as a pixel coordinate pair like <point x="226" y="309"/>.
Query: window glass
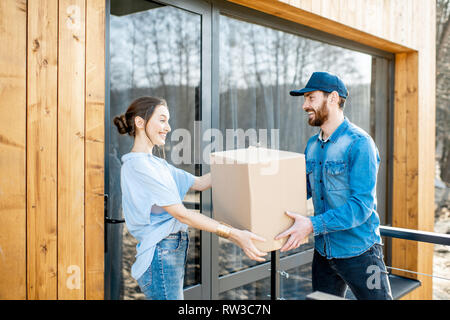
<point x="155" y="50"/>
<point x="258" y="290"/>
<point x="258" y="67"/>
<point x="296" y="283"/>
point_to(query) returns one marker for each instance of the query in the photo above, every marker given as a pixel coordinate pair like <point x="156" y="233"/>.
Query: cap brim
<point x="301" y="91"/>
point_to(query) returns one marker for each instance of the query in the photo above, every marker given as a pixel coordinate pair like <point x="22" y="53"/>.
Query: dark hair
<point x="142" y="107"/>
<point x="341" y="101"/>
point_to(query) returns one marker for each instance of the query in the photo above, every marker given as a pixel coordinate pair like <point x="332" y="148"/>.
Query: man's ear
<point x="334" y="97"/>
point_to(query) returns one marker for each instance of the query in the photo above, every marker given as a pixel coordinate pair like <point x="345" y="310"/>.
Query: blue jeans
<point x="164" y="278"/>
<point x="366" y="275"/>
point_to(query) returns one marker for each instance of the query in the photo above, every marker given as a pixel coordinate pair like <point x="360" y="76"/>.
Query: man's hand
<point x="299" y="232"/>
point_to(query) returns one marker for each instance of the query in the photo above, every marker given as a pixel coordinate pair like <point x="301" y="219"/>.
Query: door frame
<point x="203" y="289"/>
<point x="222" y="7"/>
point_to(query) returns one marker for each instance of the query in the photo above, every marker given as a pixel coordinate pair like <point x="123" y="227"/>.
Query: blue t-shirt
<point x="148" y="183"/>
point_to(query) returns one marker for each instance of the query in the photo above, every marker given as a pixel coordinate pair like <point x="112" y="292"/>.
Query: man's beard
<point x="320" y="115"/>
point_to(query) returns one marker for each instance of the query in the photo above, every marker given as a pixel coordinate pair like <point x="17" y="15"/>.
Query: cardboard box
<point x="252" y="188"/>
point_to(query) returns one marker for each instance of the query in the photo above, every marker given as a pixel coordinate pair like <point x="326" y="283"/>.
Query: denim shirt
<point x="147" y="184"/>
<point x="341" y="178"/>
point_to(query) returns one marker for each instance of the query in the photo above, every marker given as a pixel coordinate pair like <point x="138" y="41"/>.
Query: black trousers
<point x="366" y="275"/>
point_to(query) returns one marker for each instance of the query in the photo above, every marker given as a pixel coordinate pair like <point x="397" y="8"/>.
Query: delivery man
<point x="341" y="170"/>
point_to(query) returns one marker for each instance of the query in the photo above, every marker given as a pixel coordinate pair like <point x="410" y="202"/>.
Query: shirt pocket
<point x="336" y="175"/>
<point x="310" y="172"/>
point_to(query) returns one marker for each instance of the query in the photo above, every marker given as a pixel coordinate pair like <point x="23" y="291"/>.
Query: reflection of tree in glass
<point x="258" y="68"/>
<point x="157" y="53"/>
<point x="269" y="56"/>
<point x="165" y="47"/>
<point x="443" y="92"/>
<point x="260" y="65"/>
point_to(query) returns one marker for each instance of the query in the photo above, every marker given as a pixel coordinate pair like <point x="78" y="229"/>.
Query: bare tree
<point x="442" y="87"/>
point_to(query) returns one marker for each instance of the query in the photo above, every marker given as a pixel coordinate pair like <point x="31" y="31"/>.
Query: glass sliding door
<point x="155" y="49"/>
<point x="227" y="67"/>
<point x="259" y="63"/>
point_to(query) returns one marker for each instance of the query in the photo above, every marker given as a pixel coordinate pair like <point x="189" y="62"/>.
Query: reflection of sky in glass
<point x="161" y="45"/>
<point x="251" y="54"/>
<point x="155" y="52"/>
<point x="155" y="47"/>
<point x="260" y="65"/>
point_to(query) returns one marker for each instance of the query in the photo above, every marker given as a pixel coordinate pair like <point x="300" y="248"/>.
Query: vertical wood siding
<point x="42" y="124"/>
<point x="52" y="97"/>
<point x="95" y="128"/>
<point x="71" y="137"/>
<point x="13" y="128"/>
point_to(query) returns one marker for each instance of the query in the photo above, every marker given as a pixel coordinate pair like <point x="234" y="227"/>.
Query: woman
<point x="152" y="193"/>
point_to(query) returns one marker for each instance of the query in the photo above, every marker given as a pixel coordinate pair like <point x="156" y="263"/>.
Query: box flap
<point x="251" y="155"/>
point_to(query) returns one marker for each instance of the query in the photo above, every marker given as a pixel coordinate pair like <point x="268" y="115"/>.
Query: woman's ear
<point x="139" y="122"/>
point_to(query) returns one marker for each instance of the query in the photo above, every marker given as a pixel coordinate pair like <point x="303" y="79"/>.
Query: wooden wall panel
<point x="412" y="172"/>
<point x="411" y="188"/>
<point x="426" y="140"/>
<point x="315" y="19"/>
<point x="71" y="133"/>
<point x="386" y="19"/>
<point x="13" y="149"/>
<point x="405" y="180"/>
<point x="42" y="89"/>
<point x="399" y="158"/>
<point x="94" y="163"/>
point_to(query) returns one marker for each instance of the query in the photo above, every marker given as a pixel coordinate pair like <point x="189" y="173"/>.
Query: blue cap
<point x="323" y="81"/>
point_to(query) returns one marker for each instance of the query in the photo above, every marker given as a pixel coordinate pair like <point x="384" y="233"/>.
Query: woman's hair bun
<point x="141" y="107"/>
<point x="121" y="124"/>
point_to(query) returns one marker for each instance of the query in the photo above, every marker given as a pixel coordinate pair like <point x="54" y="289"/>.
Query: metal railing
<point x="385" y="231"/>
<point x="415" y="235"/>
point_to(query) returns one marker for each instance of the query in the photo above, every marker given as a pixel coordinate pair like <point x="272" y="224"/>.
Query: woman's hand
<point x="202" y="183"/>
<point x="243" y="238"/>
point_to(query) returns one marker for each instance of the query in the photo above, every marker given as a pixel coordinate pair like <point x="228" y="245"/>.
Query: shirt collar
<point x="133" y="155"/>
<point x="337" y="133"/>
<point x="320" y="136"/>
